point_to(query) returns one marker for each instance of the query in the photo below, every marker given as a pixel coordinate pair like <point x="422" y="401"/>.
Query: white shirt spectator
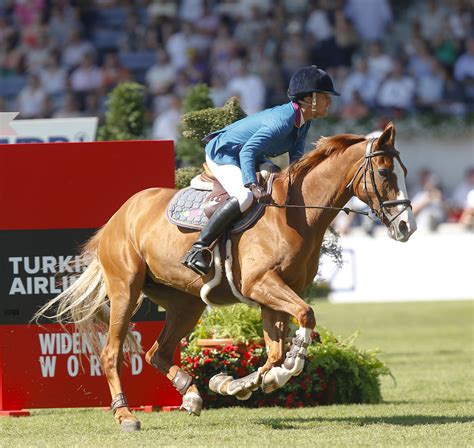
<point x="75" y="51"/>
<point x="397" y="91"/>
<point x="380" y="65"/>
<point x="86" y="77"/>
<point x="191" y="10"/>
<point x="250" y="90"/>
<point x="318" y="25"/>
<point x="464" y="67"/>
<point x="361" y="81"/>
<point x="177" y="47"/>
<point x="160" y="76"/>
<point x="166" y="124"/>
<point x="32" y="100"/>
<point x="370" y="17"/>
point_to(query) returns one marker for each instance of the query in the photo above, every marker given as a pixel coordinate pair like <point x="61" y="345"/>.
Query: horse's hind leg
<point x="123" y="285"/>
<point x="182" y="314"/>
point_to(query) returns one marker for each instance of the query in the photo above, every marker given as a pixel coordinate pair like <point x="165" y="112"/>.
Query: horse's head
<point x="380" y="183"/>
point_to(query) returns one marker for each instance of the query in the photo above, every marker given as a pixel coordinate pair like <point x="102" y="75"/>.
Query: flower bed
<point x="335" y="370"/>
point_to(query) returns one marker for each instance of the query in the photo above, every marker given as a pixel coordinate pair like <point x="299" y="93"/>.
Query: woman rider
<point x="233" y="153"/>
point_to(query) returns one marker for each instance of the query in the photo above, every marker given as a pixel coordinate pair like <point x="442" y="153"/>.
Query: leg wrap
<point x="118" y="402"/>
<point x="181" y="381"/>
<point x="277" y="377"/>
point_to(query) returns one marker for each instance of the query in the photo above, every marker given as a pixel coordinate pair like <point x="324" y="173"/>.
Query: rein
<point x="366" y="165"/>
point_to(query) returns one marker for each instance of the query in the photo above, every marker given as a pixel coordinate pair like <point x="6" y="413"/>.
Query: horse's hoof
<point x="218" y="383"/>
<point x="192" y="402"/>
<point x="130" y="425"/>
<point x="244" y="395"/>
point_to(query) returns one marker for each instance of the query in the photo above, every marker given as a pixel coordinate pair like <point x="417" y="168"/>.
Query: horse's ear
<point x="388" y="135"/>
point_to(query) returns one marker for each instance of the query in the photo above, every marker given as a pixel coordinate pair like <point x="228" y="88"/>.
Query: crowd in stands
<point x="60" y="58"/>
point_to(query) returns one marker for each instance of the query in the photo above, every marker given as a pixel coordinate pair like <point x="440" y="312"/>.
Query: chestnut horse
<point x="138" y="252"/>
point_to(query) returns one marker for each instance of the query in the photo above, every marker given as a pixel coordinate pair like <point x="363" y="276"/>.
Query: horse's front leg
<point x="275" y="328"/>
<point x="274" y="293"/>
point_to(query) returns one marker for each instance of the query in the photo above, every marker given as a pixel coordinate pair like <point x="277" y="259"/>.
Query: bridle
<point x="367" y="168"/>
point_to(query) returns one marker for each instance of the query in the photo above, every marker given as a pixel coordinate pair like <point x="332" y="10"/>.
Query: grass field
<point x="429" y="347"/>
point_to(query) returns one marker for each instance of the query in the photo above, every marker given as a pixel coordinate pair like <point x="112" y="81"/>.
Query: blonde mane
<point x="324" y="148"/>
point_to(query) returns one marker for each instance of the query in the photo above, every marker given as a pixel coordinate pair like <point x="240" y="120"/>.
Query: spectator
<point x="432" y="17"/>
<point x="134" y="36"/>
<point x="159" y="10"/>
<point x="178" y="44"/>
<point x="293" y="50"/>
<point x="380" y="64"/>
<point x="467" y="215"/>
<point x="113" y="72"/>
<point x="360" y="80"/>
<point x="427" y="204"/>
<point x="160" y="76"/>
<point x="249" y="88"/>
<point x="430" y="87"/>
<point x="32" y="101"/>
<point x="75" y="50"/>
<point x="63" y="19"/>
<point x="318" y="25"/>
<point x="218" y="91"/>
<point x="85" y="79"/>
<point x="53" y="77"/>
<point x="166" y="124"/>
<point x="371" y="18"/>
<point x="397" y="92"/>
<point x="464" y="70"/>
<point x="459" y="199"/>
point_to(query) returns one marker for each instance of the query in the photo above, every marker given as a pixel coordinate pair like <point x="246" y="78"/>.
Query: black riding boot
<point x="199" y="257"/>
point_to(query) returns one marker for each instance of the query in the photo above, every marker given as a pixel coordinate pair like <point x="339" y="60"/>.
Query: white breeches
<point x="230" y="177"/>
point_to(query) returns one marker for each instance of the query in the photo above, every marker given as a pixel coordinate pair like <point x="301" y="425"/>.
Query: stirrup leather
<point x="189" y="259"/>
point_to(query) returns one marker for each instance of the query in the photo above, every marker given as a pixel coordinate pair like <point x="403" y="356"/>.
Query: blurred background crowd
<point x="60" y="58"/>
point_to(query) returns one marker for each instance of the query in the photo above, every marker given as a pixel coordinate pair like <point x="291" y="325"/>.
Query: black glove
<point x="259" y="193"/>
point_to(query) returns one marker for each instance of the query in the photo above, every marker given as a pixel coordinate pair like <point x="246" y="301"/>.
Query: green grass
<point x="429" y="347"/>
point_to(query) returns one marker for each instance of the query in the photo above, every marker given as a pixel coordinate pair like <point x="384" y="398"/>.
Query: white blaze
<point x="406" y="212"/>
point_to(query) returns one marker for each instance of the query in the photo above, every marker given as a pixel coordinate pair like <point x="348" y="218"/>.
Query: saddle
<point x="191" y="207"/>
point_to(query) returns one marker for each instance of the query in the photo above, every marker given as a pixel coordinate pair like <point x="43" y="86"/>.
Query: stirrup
<point x="190" y="258"/>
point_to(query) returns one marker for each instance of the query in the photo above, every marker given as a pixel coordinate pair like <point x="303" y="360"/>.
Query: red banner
<point x="46" y="367"/>
<point x="53" y="196"/>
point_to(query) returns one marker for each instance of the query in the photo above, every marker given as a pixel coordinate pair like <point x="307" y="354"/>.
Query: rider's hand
<point x="259" y="193"/>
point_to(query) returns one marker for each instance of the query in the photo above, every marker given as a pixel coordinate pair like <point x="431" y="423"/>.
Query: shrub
<point x="199" y="119"/>
<point x="125" y="117"/>
<point x="335" y="370"/>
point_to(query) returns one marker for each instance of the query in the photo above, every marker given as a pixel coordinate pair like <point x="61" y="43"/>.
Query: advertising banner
<point x="52" y="130"/>
<point x="53" y="198"/>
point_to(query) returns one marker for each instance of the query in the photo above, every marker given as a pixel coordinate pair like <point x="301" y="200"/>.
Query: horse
<point x="137" y="253"/>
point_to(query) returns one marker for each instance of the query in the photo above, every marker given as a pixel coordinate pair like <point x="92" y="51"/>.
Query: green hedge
<point x="335" y="370"/>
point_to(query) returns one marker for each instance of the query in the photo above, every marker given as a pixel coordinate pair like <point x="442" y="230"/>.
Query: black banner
<point x="32" y="268"/>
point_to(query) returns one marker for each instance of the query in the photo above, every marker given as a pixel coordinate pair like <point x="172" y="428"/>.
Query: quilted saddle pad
<point x="186" y="209"/>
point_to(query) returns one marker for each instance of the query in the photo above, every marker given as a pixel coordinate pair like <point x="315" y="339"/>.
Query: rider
<point x="233" y="153"/>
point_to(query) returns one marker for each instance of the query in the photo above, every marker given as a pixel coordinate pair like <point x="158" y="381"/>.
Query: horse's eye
<point x="383" y="172"/>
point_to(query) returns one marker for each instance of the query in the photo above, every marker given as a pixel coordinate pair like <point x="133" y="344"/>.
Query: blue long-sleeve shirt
<point x="265" y="134"/>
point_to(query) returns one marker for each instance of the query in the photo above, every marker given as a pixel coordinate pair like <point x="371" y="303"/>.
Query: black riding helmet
<point x="308" y="80"/>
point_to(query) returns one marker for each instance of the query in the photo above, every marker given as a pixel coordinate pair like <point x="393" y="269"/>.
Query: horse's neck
<point x="326" y="185"/>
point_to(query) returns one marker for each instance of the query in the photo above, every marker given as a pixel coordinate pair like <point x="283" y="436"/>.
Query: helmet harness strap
<point x="313" y="103"/>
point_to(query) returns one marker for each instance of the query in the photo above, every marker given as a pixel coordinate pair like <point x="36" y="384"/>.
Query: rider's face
<point x="323" y="103"/>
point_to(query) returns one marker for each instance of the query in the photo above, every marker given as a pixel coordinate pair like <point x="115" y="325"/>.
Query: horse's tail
<point x="85" y="303"/>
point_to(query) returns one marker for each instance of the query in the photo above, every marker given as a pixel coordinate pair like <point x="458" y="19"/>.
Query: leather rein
<point x="367" y="168"/>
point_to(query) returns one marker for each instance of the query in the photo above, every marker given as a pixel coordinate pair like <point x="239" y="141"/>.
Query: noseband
<point x="368" y="168"/>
